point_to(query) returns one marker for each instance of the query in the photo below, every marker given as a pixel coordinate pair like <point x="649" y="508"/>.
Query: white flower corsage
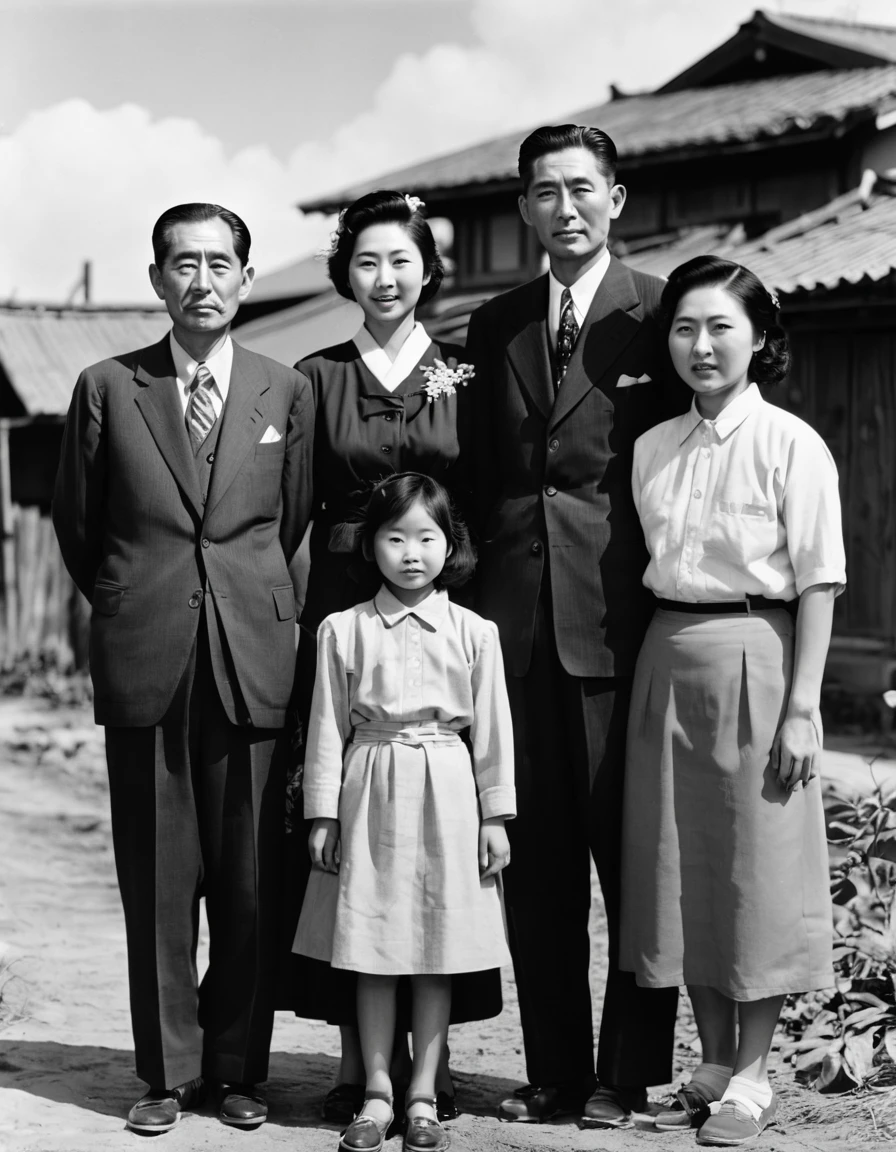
<point x="442" y="379"/>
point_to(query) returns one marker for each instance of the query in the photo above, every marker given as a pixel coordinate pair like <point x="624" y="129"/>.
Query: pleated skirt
<point x="724" y="872"/>
<point x="408" y="898"/>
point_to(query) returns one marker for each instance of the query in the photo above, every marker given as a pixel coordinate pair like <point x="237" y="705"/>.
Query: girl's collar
<point x="431" y="611"/>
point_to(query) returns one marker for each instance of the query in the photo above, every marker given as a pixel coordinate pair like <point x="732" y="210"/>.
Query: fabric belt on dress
<point x="729" y="607"/>
<point x="404" y="732"/>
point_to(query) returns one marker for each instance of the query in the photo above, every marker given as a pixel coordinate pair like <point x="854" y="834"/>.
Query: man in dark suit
<point x="183" y="491"/>
<point x="567" y="371"/>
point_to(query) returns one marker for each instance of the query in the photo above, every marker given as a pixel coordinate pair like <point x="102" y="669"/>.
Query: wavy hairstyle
<point x="392" y="497"/>
<point x="382" y="207"/>
<point x="771" y="364"/>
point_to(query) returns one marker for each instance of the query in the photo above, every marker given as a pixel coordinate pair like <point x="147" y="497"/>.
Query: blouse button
<point x="536" y="547"/>
<point x="697" y="494"/>
<point x="386" y="448"/>
<point x="389" y="416"/>
<point x="550" y="490"/>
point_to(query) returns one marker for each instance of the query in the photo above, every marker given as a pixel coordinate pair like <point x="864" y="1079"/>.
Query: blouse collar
<point x="391" y="373"/>
<point x="431" y="611"/>
<point x="729" y="419"/>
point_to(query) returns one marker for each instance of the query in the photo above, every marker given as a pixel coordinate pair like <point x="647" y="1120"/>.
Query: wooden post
<point x="7" y="538"/>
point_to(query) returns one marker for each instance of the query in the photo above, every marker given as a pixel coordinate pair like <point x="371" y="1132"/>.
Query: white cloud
<point x="77" y="183"/>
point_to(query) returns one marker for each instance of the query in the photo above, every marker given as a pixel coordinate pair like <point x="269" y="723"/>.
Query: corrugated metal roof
<point x="42" y="350"/>
<point x="654" y="124"/>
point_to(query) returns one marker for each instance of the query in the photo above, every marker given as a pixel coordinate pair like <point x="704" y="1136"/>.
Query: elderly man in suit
<point x="567" y="376"/>
<point x="183" y="491"/>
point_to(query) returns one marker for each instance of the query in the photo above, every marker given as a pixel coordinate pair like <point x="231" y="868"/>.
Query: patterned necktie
<point x="566" y="337"/>
<point x="200" y="410"/>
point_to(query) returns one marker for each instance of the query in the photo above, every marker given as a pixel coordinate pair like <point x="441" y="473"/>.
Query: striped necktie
<point x="200" y="410"/>
<point x="567" y="334"/>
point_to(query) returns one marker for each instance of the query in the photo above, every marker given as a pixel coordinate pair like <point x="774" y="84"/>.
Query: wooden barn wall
<point x="843" y="383"/>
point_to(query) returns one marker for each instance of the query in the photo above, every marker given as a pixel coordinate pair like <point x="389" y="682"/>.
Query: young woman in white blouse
<point x="725" y="876"/>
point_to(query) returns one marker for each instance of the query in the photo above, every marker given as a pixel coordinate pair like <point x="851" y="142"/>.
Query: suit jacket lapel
<point x="242" y="424"/>
<point x="528" y="349"/>
<point x="609" y="327"/>
<point x="161" y="408"/>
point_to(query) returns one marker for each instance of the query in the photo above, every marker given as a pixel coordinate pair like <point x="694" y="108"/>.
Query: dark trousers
<point x="197" y="810"/>
<point x="569" y="736"/>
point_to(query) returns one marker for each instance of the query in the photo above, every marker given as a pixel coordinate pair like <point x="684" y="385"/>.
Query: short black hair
<point x="392" y="497"/>
<point x="771" y="364"/>
<point x="195" y="214"/>
<point x="556" y="138"/>
<point x="383" y="207"/>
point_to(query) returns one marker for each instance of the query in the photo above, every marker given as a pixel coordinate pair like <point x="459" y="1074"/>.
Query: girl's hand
<point x="797" y="749"/>
<point x="324" y="844"/>
<point x="494" y="847"/>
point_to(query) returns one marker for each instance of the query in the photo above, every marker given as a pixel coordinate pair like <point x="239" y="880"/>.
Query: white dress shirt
<point x="220" y="365"/>
<point x="743" y="505"/>
<point x="391" y="373"/>
<point x="582" y="292"/>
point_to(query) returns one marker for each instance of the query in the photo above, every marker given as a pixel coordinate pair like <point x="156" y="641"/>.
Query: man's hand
<point x="494" y="847"/>
<point x="796" y="751"/>
<point x="323" y="844"/>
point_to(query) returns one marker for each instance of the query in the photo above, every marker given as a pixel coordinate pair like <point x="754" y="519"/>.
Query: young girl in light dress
<point x="408" y="836"/>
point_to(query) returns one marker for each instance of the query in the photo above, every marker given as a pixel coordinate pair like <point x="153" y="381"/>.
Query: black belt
<point x="730" y="607"/>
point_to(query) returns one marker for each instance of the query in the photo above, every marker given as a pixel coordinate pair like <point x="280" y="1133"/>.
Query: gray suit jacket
<point x="148" y="553"/>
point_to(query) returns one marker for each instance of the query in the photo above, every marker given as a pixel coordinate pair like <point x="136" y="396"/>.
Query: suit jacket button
<point x="385" y="448"/>
<point x="211" y="457"/>
<point x="205" y="542"/>
<point x="536" y="547"/>
<point x="550" y="490"/>
<point x="196" y="598"/>
<point x="553" y="446"/>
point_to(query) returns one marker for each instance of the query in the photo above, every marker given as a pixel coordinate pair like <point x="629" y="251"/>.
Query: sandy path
<point x="66" y="1065"/>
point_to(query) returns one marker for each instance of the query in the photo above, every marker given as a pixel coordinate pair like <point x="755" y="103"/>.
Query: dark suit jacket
<point x="554" y="475"/>
<point x="151" y="557"/>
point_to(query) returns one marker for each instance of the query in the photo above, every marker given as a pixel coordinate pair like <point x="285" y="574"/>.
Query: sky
<point x="112" y="110"/>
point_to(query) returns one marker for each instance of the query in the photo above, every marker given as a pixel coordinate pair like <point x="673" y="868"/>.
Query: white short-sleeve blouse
<point x="743" y="505"/>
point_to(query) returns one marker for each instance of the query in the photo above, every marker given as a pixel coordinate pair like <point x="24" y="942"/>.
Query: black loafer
<point x="610" y="1107"/>
<point x="241" y="1105"/>
<point x="532" y="1104"/>
<point x="343" y="1103"/>
<point x="446" y="1106"/>
<point x="159" y="1110"/>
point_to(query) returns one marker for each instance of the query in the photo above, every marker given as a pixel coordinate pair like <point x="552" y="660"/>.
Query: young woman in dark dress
<point x="390" y="400"/>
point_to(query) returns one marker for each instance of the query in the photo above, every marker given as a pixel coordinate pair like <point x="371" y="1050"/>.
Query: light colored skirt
<point x="724" y="873"/>
<point x="408" y="898"/>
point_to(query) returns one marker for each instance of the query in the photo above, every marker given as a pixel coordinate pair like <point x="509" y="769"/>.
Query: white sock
<point x="741" y="1089"/>
<point x="713" y="1077"/>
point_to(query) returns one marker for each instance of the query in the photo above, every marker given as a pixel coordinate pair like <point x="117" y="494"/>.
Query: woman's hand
<point x="494" y="847"/>
<point x="796" y="751"/>
<point x="323" y="844"/>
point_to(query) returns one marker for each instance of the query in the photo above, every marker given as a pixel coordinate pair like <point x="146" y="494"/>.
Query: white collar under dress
<point x="391" y="373"/>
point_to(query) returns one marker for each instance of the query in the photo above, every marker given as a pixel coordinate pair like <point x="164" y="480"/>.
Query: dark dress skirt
<point x="363" y="433"/>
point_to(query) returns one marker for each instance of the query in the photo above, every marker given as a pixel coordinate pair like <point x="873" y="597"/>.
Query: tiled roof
<point x="671" y="122"/>
<point x="851" y="239"/>
<point x="875" y="39"/>
<point x="42" y="350"/>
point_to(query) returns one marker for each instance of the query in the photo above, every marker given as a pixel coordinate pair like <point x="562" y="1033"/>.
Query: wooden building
<point x="767" y="150"/>
<point x="42" y="350"/>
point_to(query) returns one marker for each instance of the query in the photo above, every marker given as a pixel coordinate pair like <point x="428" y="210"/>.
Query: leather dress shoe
<point x="241" y="1105"/>
<point x="343" y="1103"/>
<point x="446" y="1106"/>
<point x="532" y="1104"/>
<point x="610" y="1107"/>
<point x="160" y="1109"/>
<point x="690" y="1109"/>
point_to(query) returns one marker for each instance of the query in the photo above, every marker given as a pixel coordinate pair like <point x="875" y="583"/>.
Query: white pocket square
<point x="271" y="435"/>
<point x="627" y="381"/>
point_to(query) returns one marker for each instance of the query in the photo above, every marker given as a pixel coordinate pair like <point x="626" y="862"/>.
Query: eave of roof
<point x="655" y="128"/>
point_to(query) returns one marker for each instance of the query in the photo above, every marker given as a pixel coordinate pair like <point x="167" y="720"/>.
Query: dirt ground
<point x="66" y="1055"/>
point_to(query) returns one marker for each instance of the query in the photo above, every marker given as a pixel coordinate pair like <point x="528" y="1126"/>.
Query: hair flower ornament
<point x="414" y="202"/>
<point x="773" y="296"/>
<point x="443" y="379"/>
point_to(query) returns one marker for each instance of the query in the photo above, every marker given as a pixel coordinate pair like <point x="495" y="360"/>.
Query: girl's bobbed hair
<point x="771" y="364"/>
<point x="392" y="497"/>
<point x="383" y="207"/>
